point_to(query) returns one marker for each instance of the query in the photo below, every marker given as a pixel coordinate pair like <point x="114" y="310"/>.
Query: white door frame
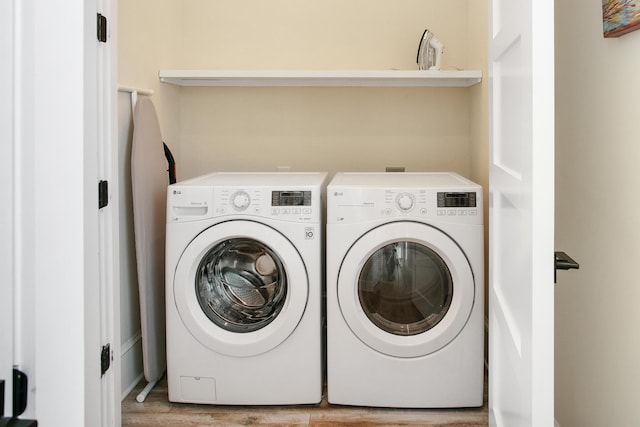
<point x="6" y="213"/>
<point x="53" y="257"/>
<point x="65" y="224"/>
<point x="109" y="267"/>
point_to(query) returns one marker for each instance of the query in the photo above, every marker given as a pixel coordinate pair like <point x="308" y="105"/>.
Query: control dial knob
<point x="405" y="201"/>
<point x="240" y="200"/>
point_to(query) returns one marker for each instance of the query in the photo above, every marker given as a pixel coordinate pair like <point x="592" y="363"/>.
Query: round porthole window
<point x="405" y="288"/>
<point x="233" y="288"/>
<point x="241" y="285"/>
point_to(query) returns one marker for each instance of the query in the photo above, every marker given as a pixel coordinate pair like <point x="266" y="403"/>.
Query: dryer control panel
<point x="350" y="205"/>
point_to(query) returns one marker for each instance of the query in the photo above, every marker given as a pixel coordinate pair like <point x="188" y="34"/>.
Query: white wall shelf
<point x="327" y="78"/>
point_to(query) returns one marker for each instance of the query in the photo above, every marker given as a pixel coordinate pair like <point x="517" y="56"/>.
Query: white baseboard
<point x="129" y="389"/>
<point x="131" y="364"/>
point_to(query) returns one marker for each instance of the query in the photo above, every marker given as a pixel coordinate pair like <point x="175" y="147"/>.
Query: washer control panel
<point x="283" y="204"/>
<point x="291" y="198"/>
<point x="195" y="203"/>
<point x="282" y="196"/>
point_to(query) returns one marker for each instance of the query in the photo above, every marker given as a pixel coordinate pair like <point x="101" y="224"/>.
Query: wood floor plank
<point x="157" y="411"/>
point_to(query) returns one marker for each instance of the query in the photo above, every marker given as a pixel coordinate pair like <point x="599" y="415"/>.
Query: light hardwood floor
<point x="157" y="411"/>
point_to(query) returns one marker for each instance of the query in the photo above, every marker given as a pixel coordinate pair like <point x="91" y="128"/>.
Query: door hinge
<point x="103" y="194"/>
<point x="102" y="28"/>
<point x="105" y="359"/>
<point x="20" y="392"/>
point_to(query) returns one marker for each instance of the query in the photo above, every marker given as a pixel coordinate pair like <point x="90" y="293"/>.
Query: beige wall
<point x="334" y="34"/>
<point x="597" y="152"/>
<point x="477" y="56"/>
<point x="305" y="128"/>
<point x="348" y="129"/>
<point x="149" y="34"/>
<point x="327" y="129"/>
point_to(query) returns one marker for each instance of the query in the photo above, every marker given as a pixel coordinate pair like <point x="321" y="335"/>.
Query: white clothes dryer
<point x="244" y="300"/>
<point x="405" y="290"/>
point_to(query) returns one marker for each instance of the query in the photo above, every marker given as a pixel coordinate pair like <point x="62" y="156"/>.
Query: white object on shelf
<point x="390" y="78"/>
<point x="430" y="52"/>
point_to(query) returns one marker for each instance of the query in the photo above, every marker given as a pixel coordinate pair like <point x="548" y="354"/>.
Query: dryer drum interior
<point x="241" y="285"/>
<point x="405" y="288"/>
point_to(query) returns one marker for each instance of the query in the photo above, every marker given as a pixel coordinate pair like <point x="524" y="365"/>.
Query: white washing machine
<point x="405" y="291"/>
<point x="244" y="276"/>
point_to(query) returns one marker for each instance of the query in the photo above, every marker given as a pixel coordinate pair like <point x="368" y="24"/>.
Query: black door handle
<point x="562" y="261"/>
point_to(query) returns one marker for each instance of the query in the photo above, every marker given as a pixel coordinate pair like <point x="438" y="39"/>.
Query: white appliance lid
<point x="401" y="180"/>
<point x="258" y="179"/>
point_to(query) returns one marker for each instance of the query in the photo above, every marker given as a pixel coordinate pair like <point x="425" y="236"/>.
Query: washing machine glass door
<point x="241" y="288"/>
<point x="241" y="284"/>
<point x="406" y="289"/>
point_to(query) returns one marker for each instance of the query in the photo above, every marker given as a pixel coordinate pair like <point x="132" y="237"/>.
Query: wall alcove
<point x="331" y="86"/>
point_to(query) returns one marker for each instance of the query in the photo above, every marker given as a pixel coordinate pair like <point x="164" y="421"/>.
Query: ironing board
<point x="149" y="189"/>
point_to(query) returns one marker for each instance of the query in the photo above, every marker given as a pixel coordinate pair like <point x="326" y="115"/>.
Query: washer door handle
<point x="563" y="261"/>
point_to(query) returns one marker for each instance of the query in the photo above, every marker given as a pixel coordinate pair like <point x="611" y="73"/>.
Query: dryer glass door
<point x="405" y="288"/>
<point x="241" y="285"/>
